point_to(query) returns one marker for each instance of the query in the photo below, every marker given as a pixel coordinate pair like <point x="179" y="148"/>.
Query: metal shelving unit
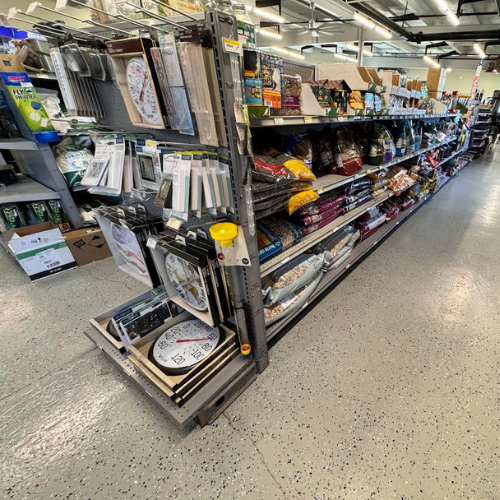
<point x="277" y="121"/>
<point x="245" y="282"/>
<point x="18" y="144"/>
<point x="26" y="190"/>
<point x="360" y="251"/>
<point x="37" y="161"/>
<point x="331" y="181"/>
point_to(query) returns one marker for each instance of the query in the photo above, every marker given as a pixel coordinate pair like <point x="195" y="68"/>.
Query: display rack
<point x="26" y="190"/>
<point x="37" y="161"/>
<point x="245" y="282"/>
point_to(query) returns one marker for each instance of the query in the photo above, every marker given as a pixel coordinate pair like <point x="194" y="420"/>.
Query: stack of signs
<point x="127" y="230"/>
<point x="192" y="276"/>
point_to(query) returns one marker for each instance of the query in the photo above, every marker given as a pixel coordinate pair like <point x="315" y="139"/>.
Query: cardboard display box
<point x="87" y="245"/>
<point x="40" y="249"/>
<point x="357" y="78"/>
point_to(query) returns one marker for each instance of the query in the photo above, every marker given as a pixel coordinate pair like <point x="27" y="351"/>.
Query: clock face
<point x="187" y="281"/>
<point x="141" y="91"/>
<point x="183" y="346"/>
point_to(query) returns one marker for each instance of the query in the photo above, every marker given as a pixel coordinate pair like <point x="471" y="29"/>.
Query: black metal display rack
<point x="246" y="282"/>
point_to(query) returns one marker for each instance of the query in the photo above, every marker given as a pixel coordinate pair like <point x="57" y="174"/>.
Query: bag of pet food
<point x="347" y="157"/>
<point x="291" y="303"/>
<point x="294" y="275"/>
<point x="267" y="169"/>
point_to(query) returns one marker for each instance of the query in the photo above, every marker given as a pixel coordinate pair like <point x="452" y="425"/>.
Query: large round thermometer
<point x="183" y="346"/>
<point x="187" y="281"/>
<point x="141" y="91"/>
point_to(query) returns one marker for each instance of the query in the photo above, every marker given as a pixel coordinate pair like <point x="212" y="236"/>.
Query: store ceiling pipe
<point x="381" y="19"/>
<point x="457" y="36"/>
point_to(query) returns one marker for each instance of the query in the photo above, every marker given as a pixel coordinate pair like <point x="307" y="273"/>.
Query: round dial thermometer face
<point x="183" y="346"/>
<point x="141" y="91"/>
<point x="186" y="280"/>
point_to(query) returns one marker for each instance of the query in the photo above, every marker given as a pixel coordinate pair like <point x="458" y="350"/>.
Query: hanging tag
<point x="181" y="239"/>
<point x="174" y="223"/>
<point x="151" y="243"/>
<point x="231" y="46"/>
<point x="61" y="4"/>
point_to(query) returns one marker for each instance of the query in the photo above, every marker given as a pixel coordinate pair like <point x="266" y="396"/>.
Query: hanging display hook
<point x="158" y="17"/>
<point x="13" y="12"/>
<point x="34" y="5"/>
<point x="55" y="32"/>
<point x="158" y="2"/>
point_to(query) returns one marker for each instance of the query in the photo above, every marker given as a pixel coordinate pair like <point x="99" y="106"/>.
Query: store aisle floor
<point x="387" y="389"/>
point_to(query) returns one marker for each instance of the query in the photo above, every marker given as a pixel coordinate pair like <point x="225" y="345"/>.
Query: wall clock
<point x="141" y="91"/>
<point x="183" y="346"/>
<point x="186" y="279"/>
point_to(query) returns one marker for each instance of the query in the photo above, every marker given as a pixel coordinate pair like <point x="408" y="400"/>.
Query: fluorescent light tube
<point x="266" y="15"/>
<point x="290" y="53"/>
<point x="269" y="34"/>
<point x="345" y="58"/>
<point x="432" y="62"/>
<point x="382" y="31"/>
<point x="452" y="17"/>
<point x="356" y="49"/>
<point x="364" y="21"/>
<point x="479" y="50"/>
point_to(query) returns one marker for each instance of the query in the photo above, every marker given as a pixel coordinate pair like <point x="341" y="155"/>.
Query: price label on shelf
<point x="335" y="229"/>
<point x="319" y="191"/>
<point x="279" y="121"/>
<point x="308" y="119"/>
<point x="231" y="46"/>
<point x="284" y="261"/>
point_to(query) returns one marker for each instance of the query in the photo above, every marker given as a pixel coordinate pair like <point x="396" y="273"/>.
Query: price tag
<point x="174" y="223"/>
<point x="231" y="46"/>
<point x="151" y="243"/>
<point x="335" y="229"/>
<point x="42" y="75"/>
<point x="308" y="119"/>
<point x="319" y="191"/>
<point x="342" y="118"/>
<point x="279" y="121"/>
<point x="61" y="4"/>
<point x="284" y="261"/>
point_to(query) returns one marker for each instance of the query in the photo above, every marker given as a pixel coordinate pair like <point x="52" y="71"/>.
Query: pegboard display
<point x="306" y="71"/>
<point x="117" y="118"/>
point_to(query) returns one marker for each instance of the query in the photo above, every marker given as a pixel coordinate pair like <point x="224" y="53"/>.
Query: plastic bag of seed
<point x="292" y="276"/>
<point x="290" y="304"/>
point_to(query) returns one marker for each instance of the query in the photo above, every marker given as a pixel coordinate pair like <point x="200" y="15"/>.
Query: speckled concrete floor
<point x="388" y="389"/>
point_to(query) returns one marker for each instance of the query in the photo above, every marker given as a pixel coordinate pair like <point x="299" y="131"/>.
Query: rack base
<point x="206" y="405"/>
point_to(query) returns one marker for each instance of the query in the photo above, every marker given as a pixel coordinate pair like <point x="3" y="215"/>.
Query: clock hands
<point x="141" y="95"/>
<point x="190" y="340"/>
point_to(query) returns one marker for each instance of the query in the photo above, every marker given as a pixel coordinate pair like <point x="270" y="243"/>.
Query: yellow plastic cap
<point x="224" y="233"/>
<point x="246" y="349"/>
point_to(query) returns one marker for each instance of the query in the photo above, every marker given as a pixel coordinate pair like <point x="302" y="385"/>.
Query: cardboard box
<point x="40" y="250"/>
<point x="357" y="78"/>
<point x="87" y="245"/>
<point x="433" y="78"/>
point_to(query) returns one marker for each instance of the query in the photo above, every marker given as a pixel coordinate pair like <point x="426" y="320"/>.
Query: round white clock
<point x="187" y="281"/>
<point x="183" y="346"/>
<point x="141" y="91"/>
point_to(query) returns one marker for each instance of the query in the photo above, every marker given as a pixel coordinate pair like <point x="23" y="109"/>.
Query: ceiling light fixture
<point x="382" y="31"/>
<point x="356" y="49"/>
<point x="364" y="21"/>
<point x="480" y="51"/>
<point x="265" y="14"/>
<point x="369" y="24"/>
<point x="269" y="33"/>
<point x="445" y="9"/>
<point x="291" y="53"/>
<point x="345" y="58"/>
<point x="432" y="62"/>
<point x="448" y="69"/>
